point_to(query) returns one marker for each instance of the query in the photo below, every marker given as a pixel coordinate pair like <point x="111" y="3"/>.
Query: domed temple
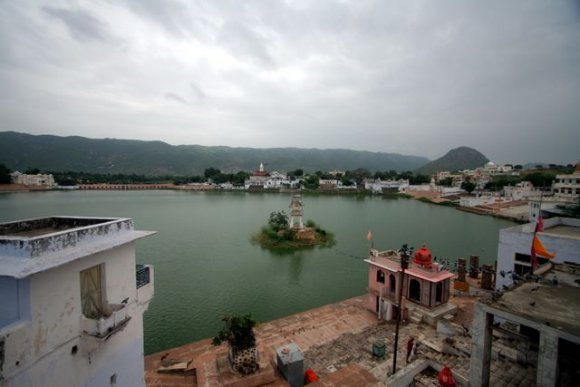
<point x="425" y="291"/>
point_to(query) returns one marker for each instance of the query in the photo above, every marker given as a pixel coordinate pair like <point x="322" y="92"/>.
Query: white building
<point x="38" y="180"/>
<point x="567" y="187"/>
<point x="560" y="236"/>
<point x="521" y="191"/>
<point x="71" y="302"/>
<point x="378" y="185"/>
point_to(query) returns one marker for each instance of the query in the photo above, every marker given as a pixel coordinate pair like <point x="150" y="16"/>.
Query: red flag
<point x="540" y="224"/>
<point x="370" y="236"/>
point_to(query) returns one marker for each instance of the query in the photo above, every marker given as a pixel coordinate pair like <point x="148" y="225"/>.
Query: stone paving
<point x="337" y="342"/>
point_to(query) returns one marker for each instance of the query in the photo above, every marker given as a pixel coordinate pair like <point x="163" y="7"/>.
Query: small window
<point x="92" y="292"/>
<point x="380" y="276"/>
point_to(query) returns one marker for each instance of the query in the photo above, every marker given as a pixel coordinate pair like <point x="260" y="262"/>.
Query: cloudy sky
<point x="411" y="77"/>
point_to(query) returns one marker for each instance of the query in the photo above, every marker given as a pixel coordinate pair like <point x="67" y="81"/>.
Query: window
<point x="92" y="292"/>
<point x="380" y="276"/>
<point x="14" y="300"/>
<point x="439" y="292"/>
<point x="392" y="283"/>
<point x="415" y="290"/>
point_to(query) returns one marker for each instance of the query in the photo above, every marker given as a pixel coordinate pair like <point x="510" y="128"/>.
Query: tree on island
<point x="279" y="236"/>
<point x="278" y="221"/>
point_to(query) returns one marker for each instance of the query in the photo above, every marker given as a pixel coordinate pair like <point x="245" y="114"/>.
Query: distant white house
<point x="71" y="302"/>
<point x="378" y="185"/>
<point x="38" y="180"/>
<point x="521" y="191"/>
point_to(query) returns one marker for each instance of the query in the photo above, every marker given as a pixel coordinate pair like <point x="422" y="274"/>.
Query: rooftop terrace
<point x="34" y="245"/>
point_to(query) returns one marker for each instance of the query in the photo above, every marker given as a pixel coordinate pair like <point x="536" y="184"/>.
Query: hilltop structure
<point x="71" y="302"/>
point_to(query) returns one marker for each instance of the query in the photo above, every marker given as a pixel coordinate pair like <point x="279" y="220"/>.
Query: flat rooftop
<point x="44" y="226"/>
<point x="562" y="230"/>
<point x="554" y="303"/>
<point x="34" y="245"/>
<point x="568" y="228"/>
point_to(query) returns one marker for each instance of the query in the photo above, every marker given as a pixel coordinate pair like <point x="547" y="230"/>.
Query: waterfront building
<point x="71" y="302"/>
<point x="542" y="320"/>
<point x="426" y="286"/>
<point x="385" y="186"/>
<point x="258" y="179"/>
<point x="521" y="191"/>
<point x="567" y="187"/>
<point x="560" y="235"/>
<point x="38" y="180"/>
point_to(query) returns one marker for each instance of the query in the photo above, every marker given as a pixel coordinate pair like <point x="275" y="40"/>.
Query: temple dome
<point x="423" y="257"/>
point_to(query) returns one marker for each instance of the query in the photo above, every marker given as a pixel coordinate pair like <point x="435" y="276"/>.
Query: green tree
<point x="32" y="171"/>
<point x="447" y="182"/>
<point x="4" y="174"/>
<point x="210" y="172"/>
<point x="296" y="173"/>
<point x="539" y="179"/>
<point x="311" y="182"/>
<point x="468" y="186"/>
<point x="278" y="220"/>
<point x="358" y="174"/>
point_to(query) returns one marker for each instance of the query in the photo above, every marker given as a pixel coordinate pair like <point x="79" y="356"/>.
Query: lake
<point x="207" y="267"/>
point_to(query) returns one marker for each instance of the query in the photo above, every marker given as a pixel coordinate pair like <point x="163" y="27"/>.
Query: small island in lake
<point x="285" y="232"/>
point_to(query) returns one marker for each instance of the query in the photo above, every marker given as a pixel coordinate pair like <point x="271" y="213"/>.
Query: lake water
<point x="207" y="267"/>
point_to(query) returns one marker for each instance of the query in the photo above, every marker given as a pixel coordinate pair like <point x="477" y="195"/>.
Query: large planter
<point x="244" y="361"/>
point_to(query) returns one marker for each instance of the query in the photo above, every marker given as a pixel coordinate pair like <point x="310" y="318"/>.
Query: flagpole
<point x="533" y="258"/>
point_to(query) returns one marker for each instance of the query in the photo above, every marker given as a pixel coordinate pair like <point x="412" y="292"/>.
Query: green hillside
<point x="19" y="151"/>
<point x="456" y="159"/>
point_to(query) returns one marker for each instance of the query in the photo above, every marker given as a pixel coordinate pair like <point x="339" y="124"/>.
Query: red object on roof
<point x="423" y="257"/>
<point x="310" y="376"/>
<point x="445" y="378"/>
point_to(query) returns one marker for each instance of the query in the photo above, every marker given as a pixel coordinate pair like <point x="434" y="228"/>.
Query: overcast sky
<point x="411" y="77"/>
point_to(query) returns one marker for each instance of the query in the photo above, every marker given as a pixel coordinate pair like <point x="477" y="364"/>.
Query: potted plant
<point x="238" y="331"/>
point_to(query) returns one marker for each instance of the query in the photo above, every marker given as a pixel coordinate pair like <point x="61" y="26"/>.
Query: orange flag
<point x="539" y="249"/>
<point x="370" y="236"/>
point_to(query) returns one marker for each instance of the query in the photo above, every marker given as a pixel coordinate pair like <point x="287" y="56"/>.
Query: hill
<point x="456" y="159"/>
<point x="19" y="151"/>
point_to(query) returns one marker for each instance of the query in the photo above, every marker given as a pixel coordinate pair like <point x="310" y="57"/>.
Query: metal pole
<point x="400" y="313"/>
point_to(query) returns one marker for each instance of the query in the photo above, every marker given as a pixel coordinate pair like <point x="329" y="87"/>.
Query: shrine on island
<point x="296" y="221"/>
<point x="425" y="288"/>
<point x="290" y="232"/>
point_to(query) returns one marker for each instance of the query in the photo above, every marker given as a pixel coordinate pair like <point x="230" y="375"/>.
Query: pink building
<point x="426" y="286"/>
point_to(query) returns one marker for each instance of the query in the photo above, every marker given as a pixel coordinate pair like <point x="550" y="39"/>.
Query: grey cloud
<point x="81" y="25"/>
<point x="197" y="91"/>
<point x="245" y="42"/>
<point x="179" y="19"/>
<point x="175" y="98"/>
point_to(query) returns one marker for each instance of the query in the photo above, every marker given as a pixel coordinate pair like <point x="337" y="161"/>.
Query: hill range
<point x="20" y="151"/>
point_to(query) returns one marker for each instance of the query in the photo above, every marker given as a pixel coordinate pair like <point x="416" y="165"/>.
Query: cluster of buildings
<point x="33" y="180"/>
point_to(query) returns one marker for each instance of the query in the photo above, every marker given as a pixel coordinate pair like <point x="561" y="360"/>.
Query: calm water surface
<point x="206" y="266"/>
